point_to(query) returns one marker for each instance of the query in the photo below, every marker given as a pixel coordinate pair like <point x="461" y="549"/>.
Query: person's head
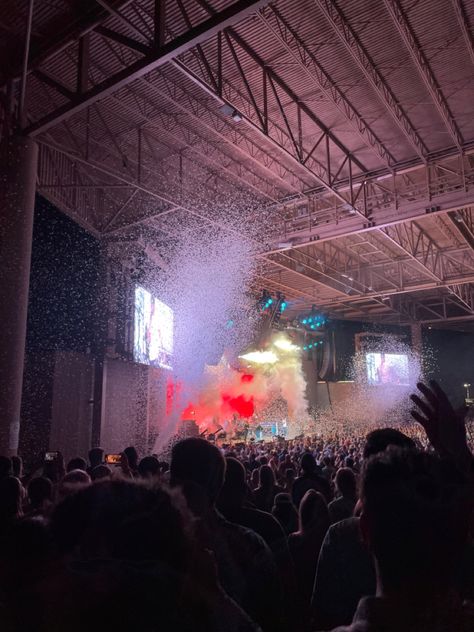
<point x="73" y="481"/>
<point x="308" y="463"/>
<point x="40" y="491"/>
<point x="349" y="462"/>
<point x="379" y="440"/>
<point x="234" y="489"/>
<point x="10" y="497"/>
<point x="200" y="463"/>
<point x="5" y="466"/>
<point x="17" y="466"/>
<point x="285" y="512"/>
<point x="124" y="520"/>
<point x="54" y="470"/>
<point x="132" y="456"/>
<point x="135" y="542"/>
<point x="266" y="477"/>
<point x="100" y="471"/>
<point x="96" y="457"/>
<point x="76" y="476"/>
<point x="313" y="512"/>
<point x="149" y="467"/>
<point x="415" y="515"/>
<point x="77" y="463"/>
<point x="346" y="483"/>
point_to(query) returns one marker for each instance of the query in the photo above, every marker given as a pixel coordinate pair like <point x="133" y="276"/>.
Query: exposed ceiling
<point x="350" y="123"/>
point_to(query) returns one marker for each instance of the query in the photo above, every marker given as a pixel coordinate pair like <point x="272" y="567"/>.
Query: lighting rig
<point x="313" y="325"/>
<point x="272" y="306"/>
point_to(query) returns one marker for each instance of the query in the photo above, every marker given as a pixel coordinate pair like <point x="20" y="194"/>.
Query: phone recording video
<point x="113" y="459"/>
<point x="51" y="456"/>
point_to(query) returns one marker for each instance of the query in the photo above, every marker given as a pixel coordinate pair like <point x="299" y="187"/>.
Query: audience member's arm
<point x="445" y="429"/>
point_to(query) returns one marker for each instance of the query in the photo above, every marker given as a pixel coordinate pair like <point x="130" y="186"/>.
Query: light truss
<point x="445" y="184"/>
<point x="439" y="309"/>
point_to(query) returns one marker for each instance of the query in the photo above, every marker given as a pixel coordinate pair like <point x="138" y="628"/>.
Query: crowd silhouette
<point x="351" y="532"/>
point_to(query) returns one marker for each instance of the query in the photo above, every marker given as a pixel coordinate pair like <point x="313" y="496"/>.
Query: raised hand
<point x="443" y="426"/>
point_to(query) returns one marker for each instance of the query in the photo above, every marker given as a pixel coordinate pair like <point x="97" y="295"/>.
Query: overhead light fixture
<point x="228" y="110"/>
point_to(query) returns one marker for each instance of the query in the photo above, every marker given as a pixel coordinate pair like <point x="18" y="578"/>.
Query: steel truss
<point x="151" y="54"/>
<point x="316" y="190"/>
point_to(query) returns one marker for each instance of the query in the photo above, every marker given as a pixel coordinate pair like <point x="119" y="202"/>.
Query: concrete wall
<point x="71" y="412"/>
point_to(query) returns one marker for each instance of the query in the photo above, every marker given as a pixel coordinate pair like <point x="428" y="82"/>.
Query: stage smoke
<point x="207" y="283"/>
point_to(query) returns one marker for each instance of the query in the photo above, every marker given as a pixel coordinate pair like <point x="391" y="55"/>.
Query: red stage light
<point x="242" y="406"/>
<point x="188" y="412"/>
<point x="247" y="377"/>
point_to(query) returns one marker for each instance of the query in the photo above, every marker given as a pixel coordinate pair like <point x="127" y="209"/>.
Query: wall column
<point x="17" y="199"/>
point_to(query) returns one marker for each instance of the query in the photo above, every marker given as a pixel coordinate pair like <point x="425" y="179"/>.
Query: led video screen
<point x="387" y="368"/>
<point x="153" y="330"/>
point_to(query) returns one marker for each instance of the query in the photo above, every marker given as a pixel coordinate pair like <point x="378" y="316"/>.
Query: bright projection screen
<point x="387" y="368"/>
<point x="153" y="330"/>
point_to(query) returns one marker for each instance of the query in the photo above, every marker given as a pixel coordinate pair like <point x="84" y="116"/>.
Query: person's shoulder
<point x="344" y="529"/>
<point x="239" y="532"/>
<point x="346" y="525"/>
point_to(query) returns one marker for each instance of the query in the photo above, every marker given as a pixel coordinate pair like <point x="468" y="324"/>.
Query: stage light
<point x="283" y="306"/>
<point x="313" y="326"/>
<point x="285" y="345"/>
<point x="260" y="357"/>
<point x="305" y="348"/>
<point x="304" y="321"/>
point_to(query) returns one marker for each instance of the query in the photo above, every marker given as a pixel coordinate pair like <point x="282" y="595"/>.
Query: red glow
<point x="188" y="412"/>
<point x="173" y="390"/>
<point x="247" y="377"/>
<point x="242" y="406"/>
<point x="169" y="397"/>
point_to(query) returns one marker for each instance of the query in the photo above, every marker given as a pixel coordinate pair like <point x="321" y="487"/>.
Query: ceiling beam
<point x="354" y="47"/>
<point x="464" y="27"/>
<point x="308" y="63"/>
<point x="424" y="70"/>
<point x="155" y="58"/>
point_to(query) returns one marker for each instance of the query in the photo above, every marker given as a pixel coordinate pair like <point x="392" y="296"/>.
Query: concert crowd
<point x="355" y="531"/>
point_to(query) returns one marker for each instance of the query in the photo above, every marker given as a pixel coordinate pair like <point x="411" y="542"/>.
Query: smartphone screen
<point x="113" y="459"/>
<point x="51" y="456"/>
